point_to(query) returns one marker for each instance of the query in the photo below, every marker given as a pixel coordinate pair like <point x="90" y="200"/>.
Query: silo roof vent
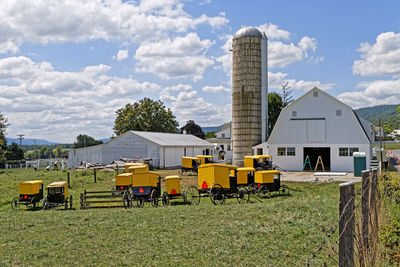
<point x="247" y="32"/>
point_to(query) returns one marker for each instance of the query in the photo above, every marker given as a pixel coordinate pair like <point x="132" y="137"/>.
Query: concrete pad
<point x="309" y="177"/>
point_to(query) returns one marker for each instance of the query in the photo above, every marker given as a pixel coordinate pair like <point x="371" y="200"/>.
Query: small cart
<point x="205" y="159"/>
<point x="191" y="196"/>
<point x="267" y="182"/>
<point x="146" y="187"/>
<point x="57" y="196"/>
<point x="123" y="181"/>
<point x="30" y="193"/>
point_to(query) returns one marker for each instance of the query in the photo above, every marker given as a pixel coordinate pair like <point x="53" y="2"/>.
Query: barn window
<point x="352" y="150"/>
<point x="315" y="93"/>
<point x="294" y="113"/>
<point x="343" y="151"/>
<point x="281" y="151"/>
<point x="291" y="151"/>
<point x="338" y="112"/>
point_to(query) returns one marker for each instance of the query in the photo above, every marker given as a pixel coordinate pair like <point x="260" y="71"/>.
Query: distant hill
<point x="211" y="129"/>
<point x="387" y="113"/>
<point x="30" y="142"/>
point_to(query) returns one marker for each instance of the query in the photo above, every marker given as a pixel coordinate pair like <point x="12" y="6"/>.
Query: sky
<point x="67" y="66"/>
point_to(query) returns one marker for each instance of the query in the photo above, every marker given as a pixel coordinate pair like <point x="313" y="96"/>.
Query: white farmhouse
<point x="314" y="125"/>
<point x="165" y="149"/>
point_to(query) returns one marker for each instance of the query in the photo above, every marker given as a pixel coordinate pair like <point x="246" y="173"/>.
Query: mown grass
<point x="390" y="146"/>
<point x="280" y="231"/>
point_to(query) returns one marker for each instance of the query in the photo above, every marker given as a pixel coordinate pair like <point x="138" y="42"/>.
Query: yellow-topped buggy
<point x="205" y="159"/>
<point x="30" y="193"/>
<point x="267" y="182"/>
<point x="57" y="195"/>
<point x="189" y="164"/>
<point x="219" y="182"/>
<point x="146" y="187"/>
<point x="259" y="162"/>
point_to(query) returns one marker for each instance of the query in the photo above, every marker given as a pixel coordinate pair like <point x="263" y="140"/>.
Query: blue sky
<point x="67" y="66"/>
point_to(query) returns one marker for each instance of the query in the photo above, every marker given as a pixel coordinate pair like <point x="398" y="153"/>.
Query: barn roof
<point x="173" y="139"/>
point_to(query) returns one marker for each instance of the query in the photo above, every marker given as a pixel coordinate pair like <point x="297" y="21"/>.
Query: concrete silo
<point x="249" y="92"/>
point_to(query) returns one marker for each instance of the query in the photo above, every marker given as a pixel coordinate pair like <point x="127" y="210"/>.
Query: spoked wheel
<point x="127" y="199"/>
<point x="15" y="203"/>
<point x="154" y="198"/>
<point x="252" y="188"/>
<point x="242" y="195"/>
<point x="140" y="202"/>
<point x="66" y="204"/>
<point x="45" y="204"/>
<point x="165" y="199"/>
<point x="192" y="196"/>
<point x="33" y="203"/>
<point x="70" y="202"/>
<point x="263" y="192"/>
<point x="217" y="195"/>
<point x="284" y="190"/>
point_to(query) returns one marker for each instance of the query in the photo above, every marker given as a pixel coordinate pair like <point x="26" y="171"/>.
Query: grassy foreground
<point x="280" y="231"/>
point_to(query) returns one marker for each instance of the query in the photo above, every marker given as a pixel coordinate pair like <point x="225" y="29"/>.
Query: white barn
<point x="165" y="149"/>
<point x="317" y="124"/>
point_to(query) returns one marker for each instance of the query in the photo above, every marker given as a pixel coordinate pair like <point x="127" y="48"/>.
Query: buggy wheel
<point x="15" y="203"/>
<point x="217" y="195"/>
<point x="33" y="203"/>
<point x="263" y="192"/>
<point x="242" y="195"/>
<point x="127" y="200"/>
<point x="140" y="202"/>
<point x="284" y="189"/>
<point x="252" y="188"/>
<point x="192" y="196"/>
<point x="154" y="198"/>
<point x="165" y="199"/>
<point x="70" y="202"/>
<point x="45" y="204"/>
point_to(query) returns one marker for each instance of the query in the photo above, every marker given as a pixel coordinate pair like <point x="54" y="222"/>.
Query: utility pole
<point x="20" y="137"/>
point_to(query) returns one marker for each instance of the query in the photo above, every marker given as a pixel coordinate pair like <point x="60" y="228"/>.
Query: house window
<point x="281" y="151"/>
<point x="352" y="150"/>
<point x="343" y="152"/>
<point x="259" y="151"/>
<point x="338" y="112"/>
<point x="315" y="93"/>
<point x="223" y="135"/>
<point x="294" y="113"/>
<point x="291" y="151"/>
<point x="222" y="147"/>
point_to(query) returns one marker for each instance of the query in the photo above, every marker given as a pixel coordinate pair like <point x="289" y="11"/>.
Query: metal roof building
<point x="318" y="125"/>
<point x="165" y="149"/>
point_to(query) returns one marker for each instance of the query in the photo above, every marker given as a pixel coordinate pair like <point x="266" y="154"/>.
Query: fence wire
<point x="365" y="244"/>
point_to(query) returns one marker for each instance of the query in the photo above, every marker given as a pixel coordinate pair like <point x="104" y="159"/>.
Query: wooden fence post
<point x="68" y="181"/>
<point x="94" y="173"/>
<point x="364" y="214"/>
<point x="346" y="225"/>
<point x="372" y="205"/>
<point x="116" y="169"/>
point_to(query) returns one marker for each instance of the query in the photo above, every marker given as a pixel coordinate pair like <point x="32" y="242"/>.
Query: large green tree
<point x="275" y="105"/>
<point x="145" y="115"/>
<point x="3" y="142"/>
<point x="192" y="128"/>
<point x="84" y="140"/>
<point x="14" y="152"/>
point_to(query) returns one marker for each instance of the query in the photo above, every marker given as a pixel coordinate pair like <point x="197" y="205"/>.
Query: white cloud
<point x="381" y="58"/>
<point x="46" y="22"/>
<point x="374" y="93"/>
<point x="60" y="105"/>
<point x="215" y="89"/>
<point x="189" y="105"/>
<point x="273" y="32"/>
<point x="182" y="57"/>
<point x="276" y="80"/>
<point x="121" y="55"/>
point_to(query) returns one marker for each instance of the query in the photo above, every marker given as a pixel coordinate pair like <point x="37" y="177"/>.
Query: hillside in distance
<point x="387" y="113"/>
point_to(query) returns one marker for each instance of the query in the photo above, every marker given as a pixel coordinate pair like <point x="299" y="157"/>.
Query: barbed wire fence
<point x="353" y="239"/>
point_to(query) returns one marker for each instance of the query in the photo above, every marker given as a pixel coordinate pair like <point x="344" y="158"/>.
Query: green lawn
<point x="280" y="231"/>
<point x="389" y="145"/>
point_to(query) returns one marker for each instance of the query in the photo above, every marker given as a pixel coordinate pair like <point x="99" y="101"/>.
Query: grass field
<point x="280" y="231"/>
<point x="389" y="146"/>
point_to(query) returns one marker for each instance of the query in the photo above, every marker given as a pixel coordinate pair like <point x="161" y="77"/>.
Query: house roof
<point x="219" y="140"/>
<point x="173" y="139"/>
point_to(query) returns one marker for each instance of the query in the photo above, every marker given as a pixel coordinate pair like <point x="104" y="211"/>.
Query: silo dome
<point x="247" y="32"/>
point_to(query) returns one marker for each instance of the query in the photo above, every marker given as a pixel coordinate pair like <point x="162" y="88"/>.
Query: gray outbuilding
<point x="165" y="149"/>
